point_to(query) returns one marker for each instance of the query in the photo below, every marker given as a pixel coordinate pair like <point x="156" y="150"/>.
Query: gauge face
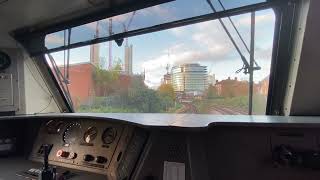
<point x="5" y="61"/>
<point x="90" y="134"/>
<point x="109" y="135"/>
<point x="54" y="127"/>
<point x="71" y="134"/>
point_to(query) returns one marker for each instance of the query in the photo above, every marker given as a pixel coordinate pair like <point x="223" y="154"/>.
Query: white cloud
<point x="205" y="42"/>
<point x="92" y="25"/>
<point x="54" y="39"/>
<point x="157" y="10"/>
<point x="263" y="53"/>
<point x="260" y="19"/>
<point x="123" y="18"/>
<point x="179" y="31"/>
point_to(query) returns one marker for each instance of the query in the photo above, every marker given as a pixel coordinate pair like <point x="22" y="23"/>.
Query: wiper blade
<point x="63" y="82"/>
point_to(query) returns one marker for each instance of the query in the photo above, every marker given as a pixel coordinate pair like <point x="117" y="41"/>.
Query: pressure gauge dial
<point x="5" y="61"/>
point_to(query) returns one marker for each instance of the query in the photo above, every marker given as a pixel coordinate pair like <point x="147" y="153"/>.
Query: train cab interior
<point x="159" y="90"/>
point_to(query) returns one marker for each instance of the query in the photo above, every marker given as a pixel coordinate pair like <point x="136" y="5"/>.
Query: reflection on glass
<point x="190" y="69"/>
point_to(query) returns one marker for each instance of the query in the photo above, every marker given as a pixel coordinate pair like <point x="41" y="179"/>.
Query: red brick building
<point x="81" y="85"/>
<point x="232" y="88"/>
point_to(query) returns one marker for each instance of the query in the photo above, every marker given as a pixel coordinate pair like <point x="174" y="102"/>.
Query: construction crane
<point x="126" y="27"/>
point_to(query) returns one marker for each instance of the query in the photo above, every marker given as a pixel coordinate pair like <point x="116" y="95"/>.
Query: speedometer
<point x="71" y="134"/>
<point x="5" y="61"/>
<point x="109" y="135"/>
<point x="54" y="126"/>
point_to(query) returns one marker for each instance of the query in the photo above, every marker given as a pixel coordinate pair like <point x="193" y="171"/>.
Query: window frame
<point x="284" y="15"/>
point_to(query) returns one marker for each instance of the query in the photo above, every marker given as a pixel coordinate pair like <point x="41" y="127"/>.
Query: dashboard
<point x="90" y="145"/>
<point x="160" y="146"/>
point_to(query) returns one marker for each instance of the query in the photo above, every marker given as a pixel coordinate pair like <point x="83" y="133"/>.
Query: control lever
<point x="284" y="156"/>
<point x="47" y="173"/>
<point x="287" y="156"/>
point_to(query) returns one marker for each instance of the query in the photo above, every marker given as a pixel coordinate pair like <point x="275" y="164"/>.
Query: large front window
<point x="189" y="69"/>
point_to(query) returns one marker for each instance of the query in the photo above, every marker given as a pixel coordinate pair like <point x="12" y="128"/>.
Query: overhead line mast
<point x="110" y="44"/>
<point x="248" y="67"/>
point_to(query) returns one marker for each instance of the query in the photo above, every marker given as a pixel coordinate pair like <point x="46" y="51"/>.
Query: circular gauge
<point x="5" y="61"/>
<point x="53" y="126"/>
<point x="90" y="134"/>
<point x="71" y="134"/>
<point x="109" y="135"/>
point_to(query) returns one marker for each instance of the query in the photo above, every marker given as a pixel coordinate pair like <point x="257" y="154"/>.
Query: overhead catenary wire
<point x="244" y="60"/>
<point x="248" y="68"/>
<point x="237" y="31"/>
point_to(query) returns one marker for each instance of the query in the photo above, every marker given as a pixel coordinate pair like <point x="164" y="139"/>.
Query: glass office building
<point x="189" y="78"/>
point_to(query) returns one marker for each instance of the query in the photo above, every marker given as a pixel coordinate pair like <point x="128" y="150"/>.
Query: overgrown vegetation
<point x="117" y="93"/>
<point x="121" y="93"/>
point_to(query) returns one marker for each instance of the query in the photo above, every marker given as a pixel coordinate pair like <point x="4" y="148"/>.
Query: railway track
<point x="188" y="108"/>
<point x="218" y="110"/>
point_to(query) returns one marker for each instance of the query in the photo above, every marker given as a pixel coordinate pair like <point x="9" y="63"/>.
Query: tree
<point x="167" y="95"/>
<point x="105" y="79"/>
<point x="211" y="92"/>
<point x="145" y="100"/>
<point x="166" y="90"/>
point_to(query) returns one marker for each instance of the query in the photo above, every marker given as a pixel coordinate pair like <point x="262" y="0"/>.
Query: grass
<point x="106" y="109"/>
<point x="240" y="102"/>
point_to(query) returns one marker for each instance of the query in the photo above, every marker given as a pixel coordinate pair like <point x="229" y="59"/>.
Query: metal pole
<point x="110" y="44"/>
<point x="68" y="56"/>
<point x="251" y="61"/>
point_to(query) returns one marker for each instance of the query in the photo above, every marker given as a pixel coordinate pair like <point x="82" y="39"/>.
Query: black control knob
<point x="284" y="155"/>
<point x="88" y="158"/>
<point x="101" y="160"/>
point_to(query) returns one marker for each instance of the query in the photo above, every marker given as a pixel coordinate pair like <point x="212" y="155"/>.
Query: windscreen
<point x="190" y="69"/>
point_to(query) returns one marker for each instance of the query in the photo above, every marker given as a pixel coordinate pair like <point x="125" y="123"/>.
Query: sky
<point x="205" y="43"/>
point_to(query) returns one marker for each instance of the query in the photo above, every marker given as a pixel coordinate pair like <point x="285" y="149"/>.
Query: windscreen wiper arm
<point x="64" y="80"/>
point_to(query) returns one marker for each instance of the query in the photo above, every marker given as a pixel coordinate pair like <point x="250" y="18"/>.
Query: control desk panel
<point x="89" y="145"/>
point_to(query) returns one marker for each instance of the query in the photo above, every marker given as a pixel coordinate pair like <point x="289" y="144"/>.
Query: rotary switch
<point x="101" y="160"/>
<point x="88" y="158"/>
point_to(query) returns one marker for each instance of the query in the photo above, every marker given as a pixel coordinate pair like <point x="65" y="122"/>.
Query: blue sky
<point x="205" y="43"/>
